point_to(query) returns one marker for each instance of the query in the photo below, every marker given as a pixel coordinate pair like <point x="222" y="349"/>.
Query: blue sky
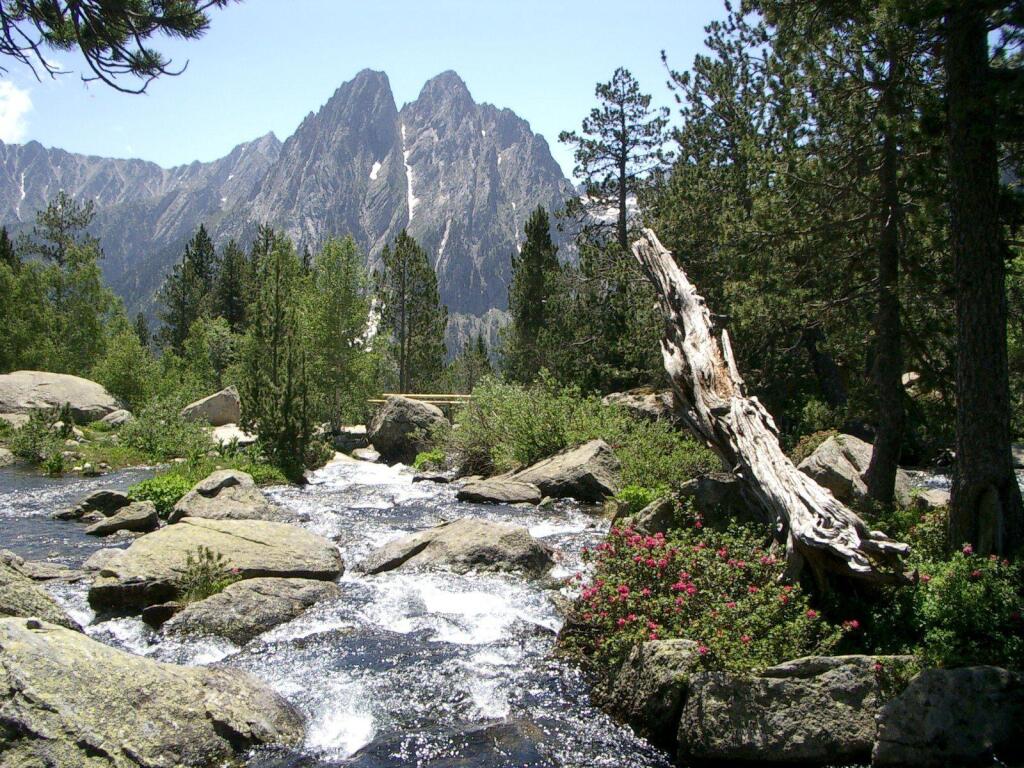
<point x="265" y="64"/>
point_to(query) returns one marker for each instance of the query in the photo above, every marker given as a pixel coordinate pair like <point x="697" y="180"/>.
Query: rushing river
<point x="405" y="669"/>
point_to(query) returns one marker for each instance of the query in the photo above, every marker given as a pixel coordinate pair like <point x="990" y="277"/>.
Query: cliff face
<point x="461" y="176"/>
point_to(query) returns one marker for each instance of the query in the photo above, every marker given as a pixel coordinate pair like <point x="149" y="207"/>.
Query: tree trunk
<point x="985" y="509"/>
<point x="816" y="529"/>
<point x="623" y="159"/>
<point x="888" y="364"/>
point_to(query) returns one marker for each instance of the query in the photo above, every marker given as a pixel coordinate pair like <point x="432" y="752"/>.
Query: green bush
<point x="54" y="463"/>
<point x="970" y="609"/>
<point x="161" y="434"/>
<point x="431" y="459"/>
<point x="206" y="573"/>
<point x="163" y="490"/>
<point x="632" y="498"/>
<point x="36" y="441"/>
<point x="508" y="426"/>
<point x="720" y="589"/>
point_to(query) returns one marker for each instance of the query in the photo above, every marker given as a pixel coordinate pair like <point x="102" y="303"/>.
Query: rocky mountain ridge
<point x="461" y="176"/>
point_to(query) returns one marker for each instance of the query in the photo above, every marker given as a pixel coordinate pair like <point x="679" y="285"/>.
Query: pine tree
<point x="142" y="330"/>
<point x="412" y="311"/>
<point x="621" y="142"/>
<point x="471" y="366"/>
<point x="232" y="286"/>
<point x="185" y="294"/>
<point x="60" y="226"/>
<point x="337" y="309"/>
<point x="535" y="278"/>
<point x="870" y="73"/>
<point x="986" y="508"/>
<point x="274" y="387"/>
<point x="8" y="255"/>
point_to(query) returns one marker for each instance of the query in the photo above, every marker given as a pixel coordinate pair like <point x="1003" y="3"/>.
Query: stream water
<point x="405" y="669"/>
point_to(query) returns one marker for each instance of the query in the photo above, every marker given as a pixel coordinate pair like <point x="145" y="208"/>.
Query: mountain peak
<point x="447" y="86"/>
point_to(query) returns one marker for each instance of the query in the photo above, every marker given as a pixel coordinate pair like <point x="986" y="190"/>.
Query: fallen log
<point x="817" y="530"/>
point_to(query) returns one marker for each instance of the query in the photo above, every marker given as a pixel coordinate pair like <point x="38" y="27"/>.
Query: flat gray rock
<point x="464" y="545"/>
<point x="816" y="710"/>
<point x="968" y="716"/>
<point x="69" y="700"/>
<point x="249" y="608"/>
<point x="588" y="472"/>
<point x="228" y="494"/>
<point x="105" y="502"/>
<point x="20" y="596"/>
<point x="499" y="491"/>
<point x="140" y="517"/>
<point x="147" y="572"/>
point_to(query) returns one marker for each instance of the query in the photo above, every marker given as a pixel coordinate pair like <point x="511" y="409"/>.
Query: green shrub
<point x="36" y="441"/>
<point x="161" y="434"/>
<point x="632" y="498"/>
<point x="163" y="490"/>
<point x="54" y="463"/>
<point x="508" y="426"/>
<point x="431" y="459"/>
<point x="720" y="589"/>
<point x="206" y="573"/>
<point x="970" y="610"/>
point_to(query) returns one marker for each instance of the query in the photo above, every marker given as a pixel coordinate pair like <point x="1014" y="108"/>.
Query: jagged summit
<point x="461" y="176"/>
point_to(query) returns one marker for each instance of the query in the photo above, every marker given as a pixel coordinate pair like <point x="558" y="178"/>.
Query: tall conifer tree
<point x="413" y="313"/>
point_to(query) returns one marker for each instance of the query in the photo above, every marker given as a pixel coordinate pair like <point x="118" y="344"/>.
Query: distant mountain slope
<point x="461" y="176"/>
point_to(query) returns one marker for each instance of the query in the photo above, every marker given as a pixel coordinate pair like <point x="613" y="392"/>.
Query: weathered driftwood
<point x="816" y="529"/>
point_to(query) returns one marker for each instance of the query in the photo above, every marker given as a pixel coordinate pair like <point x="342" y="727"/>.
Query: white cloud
<point x="15" y="104"/>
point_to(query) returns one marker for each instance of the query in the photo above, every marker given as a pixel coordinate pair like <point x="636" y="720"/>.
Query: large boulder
<point x="148" y="571"/>
<point x="227" y="494"/>
<point x="646" y="403"/>
<point x="657" y="517"/>
<point x="819" y="709"/>
<point x="649" y="690"/>
<point x="229" y="434"/>
<point x="588" y="472"/>
<point x="249" y="608"/>
<point x="968" y="716"/>
<point x="499" y="490"/>
<point x="841" y="465"/>
<point x="20" y="596"/>
<point x="464" y="545"/>
<point x="22" y="392"/>
<point x="218" y="409"/>
<point x="104" y="502"/>
<point x="118" y="418"/>
<point x="69" y="700"/>
<point x="399" y="429"/>
<point x="140" y="517"/>
<point x="6" y="458"/>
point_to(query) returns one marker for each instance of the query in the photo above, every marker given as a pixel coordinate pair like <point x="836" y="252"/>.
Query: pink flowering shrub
<point x="720" y="589"/>
<point x="969" y="609"/>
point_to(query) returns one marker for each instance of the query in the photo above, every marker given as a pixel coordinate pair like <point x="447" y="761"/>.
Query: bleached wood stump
<point x="817" y="530"/>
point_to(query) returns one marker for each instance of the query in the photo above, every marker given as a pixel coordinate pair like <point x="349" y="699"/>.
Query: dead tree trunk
<point x="816" y="529"/>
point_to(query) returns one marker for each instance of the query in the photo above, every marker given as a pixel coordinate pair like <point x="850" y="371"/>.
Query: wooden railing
<point x="433" y="399"/>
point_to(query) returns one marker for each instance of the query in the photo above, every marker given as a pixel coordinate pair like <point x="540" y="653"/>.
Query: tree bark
<point x="985" y="509"/>
<point x="816" y="529"/>
<point x="888" y="364"/>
